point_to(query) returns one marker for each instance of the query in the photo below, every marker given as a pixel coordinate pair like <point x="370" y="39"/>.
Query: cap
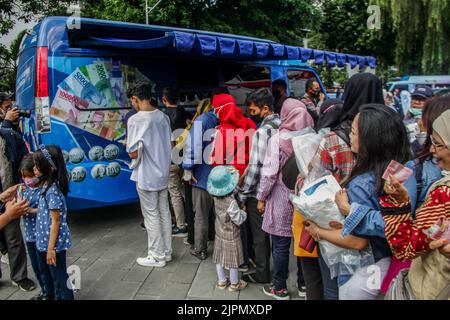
<point x="423" y="92"/>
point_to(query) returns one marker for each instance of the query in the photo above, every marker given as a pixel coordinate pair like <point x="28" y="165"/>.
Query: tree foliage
<point x="281" y="21"/>
<point x="8" y="63"/>
<point x="422" y="34"/>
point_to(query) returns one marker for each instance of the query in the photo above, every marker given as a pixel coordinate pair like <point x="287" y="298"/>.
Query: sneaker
<point x="25" y="285"/>
<point x="278" y="295"/>
<point x="150" y="262"/>
<point x="168" y="258"/>
<point x="242" y="268"/>
<point x="143" y="226"/>
<point x="241" y="285"/>
<point x="302" y="292"/>
<point x="39" y="296"/>
<point x="186" y="242"/>
<point x="223" y="285"/>
<point x="250" y="278"/>
<point x="179" y="233"/>
<point x="202" y="255"/>
<point x="5" y="259"/>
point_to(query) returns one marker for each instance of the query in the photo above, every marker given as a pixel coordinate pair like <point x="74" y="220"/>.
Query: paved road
<point x="106" y="243"/>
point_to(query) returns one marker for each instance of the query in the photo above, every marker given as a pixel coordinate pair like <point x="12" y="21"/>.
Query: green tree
<point x="8" y="64"/>
<point x="422" y="34"/>
<point x="13" y="11"/>
<point x="247" y="17"/>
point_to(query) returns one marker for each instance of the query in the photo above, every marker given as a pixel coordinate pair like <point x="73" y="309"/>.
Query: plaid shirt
<point x="257" y="154"/>
<point x="336" y="156"/>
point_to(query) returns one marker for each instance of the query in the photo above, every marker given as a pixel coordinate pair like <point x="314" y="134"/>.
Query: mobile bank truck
<point x="74" y="81"/>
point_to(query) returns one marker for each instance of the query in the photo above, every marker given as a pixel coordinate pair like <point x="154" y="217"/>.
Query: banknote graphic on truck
<point x="92" y="98"/>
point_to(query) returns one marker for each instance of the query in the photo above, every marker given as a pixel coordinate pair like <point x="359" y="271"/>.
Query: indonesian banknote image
<point x="93" y="96"/>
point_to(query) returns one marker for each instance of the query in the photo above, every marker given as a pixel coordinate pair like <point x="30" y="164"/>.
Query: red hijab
<point x="233" y="140"/>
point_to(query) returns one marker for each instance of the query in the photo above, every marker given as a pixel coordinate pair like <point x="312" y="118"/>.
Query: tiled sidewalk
<point x="106" y="243"/>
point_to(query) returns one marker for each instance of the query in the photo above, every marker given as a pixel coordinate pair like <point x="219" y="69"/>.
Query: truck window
<point x="242" y="80"/>
<point x="297" y="81"/>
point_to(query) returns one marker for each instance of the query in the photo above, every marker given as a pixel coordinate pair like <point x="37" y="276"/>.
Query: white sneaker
<point x="168" y="257"/>
<point x="150" y="262"/>
<point x="5" y="259"/>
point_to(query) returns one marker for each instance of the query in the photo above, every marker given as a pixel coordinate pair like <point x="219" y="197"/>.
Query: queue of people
<point x="231" y="179"/>
<point x="237" y="172"/>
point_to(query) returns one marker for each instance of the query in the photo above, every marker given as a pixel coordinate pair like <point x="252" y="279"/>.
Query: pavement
<point x="106" y="243"/>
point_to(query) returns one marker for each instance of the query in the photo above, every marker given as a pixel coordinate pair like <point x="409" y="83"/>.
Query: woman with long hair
<point x="377" y="137"/>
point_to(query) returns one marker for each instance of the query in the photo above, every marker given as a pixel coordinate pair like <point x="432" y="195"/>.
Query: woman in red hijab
<point x="234" y="133"/>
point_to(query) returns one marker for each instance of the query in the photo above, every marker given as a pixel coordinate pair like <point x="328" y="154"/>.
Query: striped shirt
<point x="257" y="155"/>
<point x="406" y="235"/>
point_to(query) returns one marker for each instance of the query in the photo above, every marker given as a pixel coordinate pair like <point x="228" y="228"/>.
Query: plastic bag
<point x="316" y="202"/>
<point x="305" y="148"/>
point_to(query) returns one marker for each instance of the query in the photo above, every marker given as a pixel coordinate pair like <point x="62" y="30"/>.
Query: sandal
<point x="223" y="285"/>
<point x="199" y="254"/>
<point x="241" y="285"/>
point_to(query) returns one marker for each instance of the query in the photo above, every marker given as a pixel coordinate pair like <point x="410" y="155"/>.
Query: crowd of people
<point x="230" y="177"/>
<point x="239" y="173"/>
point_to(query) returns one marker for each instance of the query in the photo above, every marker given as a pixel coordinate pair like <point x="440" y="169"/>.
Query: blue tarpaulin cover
<point x="203" y="43"/>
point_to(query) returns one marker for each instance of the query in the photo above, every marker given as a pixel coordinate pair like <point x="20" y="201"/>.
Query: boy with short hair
<point x="149" y="141"/>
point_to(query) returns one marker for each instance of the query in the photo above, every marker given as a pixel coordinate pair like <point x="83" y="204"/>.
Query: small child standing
<point x="52" y="232"/>
<point x="228" y="251"/>
<point x="32" y="193"/>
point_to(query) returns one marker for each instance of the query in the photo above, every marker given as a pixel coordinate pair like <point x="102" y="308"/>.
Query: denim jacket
<point x="430" y="174"/>
<point x="365" y="216"/>
<point x="363" y="219"/>
<point x="195" y="147"/>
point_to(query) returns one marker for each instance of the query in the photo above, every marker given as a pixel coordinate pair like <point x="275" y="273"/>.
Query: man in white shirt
<point x="149" y="143"/>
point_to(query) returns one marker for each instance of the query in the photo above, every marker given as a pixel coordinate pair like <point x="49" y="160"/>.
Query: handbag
<point x="400" y="288"/>
<point x="307" y="242"/>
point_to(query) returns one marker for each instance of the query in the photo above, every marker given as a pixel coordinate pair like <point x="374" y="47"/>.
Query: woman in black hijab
<point x="330" y="114"/>
<point x="361" y="89"/>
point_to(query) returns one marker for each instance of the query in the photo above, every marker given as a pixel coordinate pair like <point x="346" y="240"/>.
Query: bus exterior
<point x="74" y="81"/>
<point x="410" y="83"/>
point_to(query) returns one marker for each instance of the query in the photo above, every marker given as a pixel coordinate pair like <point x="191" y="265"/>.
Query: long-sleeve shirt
<point x="200" y="137"/>
<point x="257" y="155"/>
<point x="278" y="215"/>
<point x="336" y="156"/>
<point x="406" y="235"/>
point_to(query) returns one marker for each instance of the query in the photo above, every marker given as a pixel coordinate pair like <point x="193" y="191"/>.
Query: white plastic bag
<point x="316" y="202"/>
<point x="305" y="147"/>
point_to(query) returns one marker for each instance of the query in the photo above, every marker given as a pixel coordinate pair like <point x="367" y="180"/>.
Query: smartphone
<point x="20" y="191"/>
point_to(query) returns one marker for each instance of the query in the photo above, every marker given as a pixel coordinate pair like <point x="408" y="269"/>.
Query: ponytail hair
<point x="49" y="160"/>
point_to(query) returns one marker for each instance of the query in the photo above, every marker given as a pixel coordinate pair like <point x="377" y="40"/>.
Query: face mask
<point x="416" y="113"/>
<point x="276" y="95"/>
<point x="30" y="182"/>
<point x="257" y="119"/>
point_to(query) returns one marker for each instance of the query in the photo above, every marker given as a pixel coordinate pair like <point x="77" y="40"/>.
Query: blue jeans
<point x="33" y="253"/>
<point x="330" y="287"/>
<point x="58" y="275"/>
<point x="280" y="254"/>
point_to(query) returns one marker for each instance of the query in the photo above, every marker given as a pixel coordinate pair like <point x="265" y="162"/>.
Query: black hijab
<point x="330" y="114"/>
<point x="361" y="89"/>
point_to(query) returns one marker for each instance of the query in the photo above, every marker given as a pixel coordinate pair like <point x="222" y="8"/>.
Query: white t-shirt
<point x="152" y="128"/>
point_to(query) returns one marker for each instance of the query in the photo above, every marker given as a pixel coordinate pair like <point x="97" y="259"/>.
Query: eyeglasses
<point x="437" y="145"/>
